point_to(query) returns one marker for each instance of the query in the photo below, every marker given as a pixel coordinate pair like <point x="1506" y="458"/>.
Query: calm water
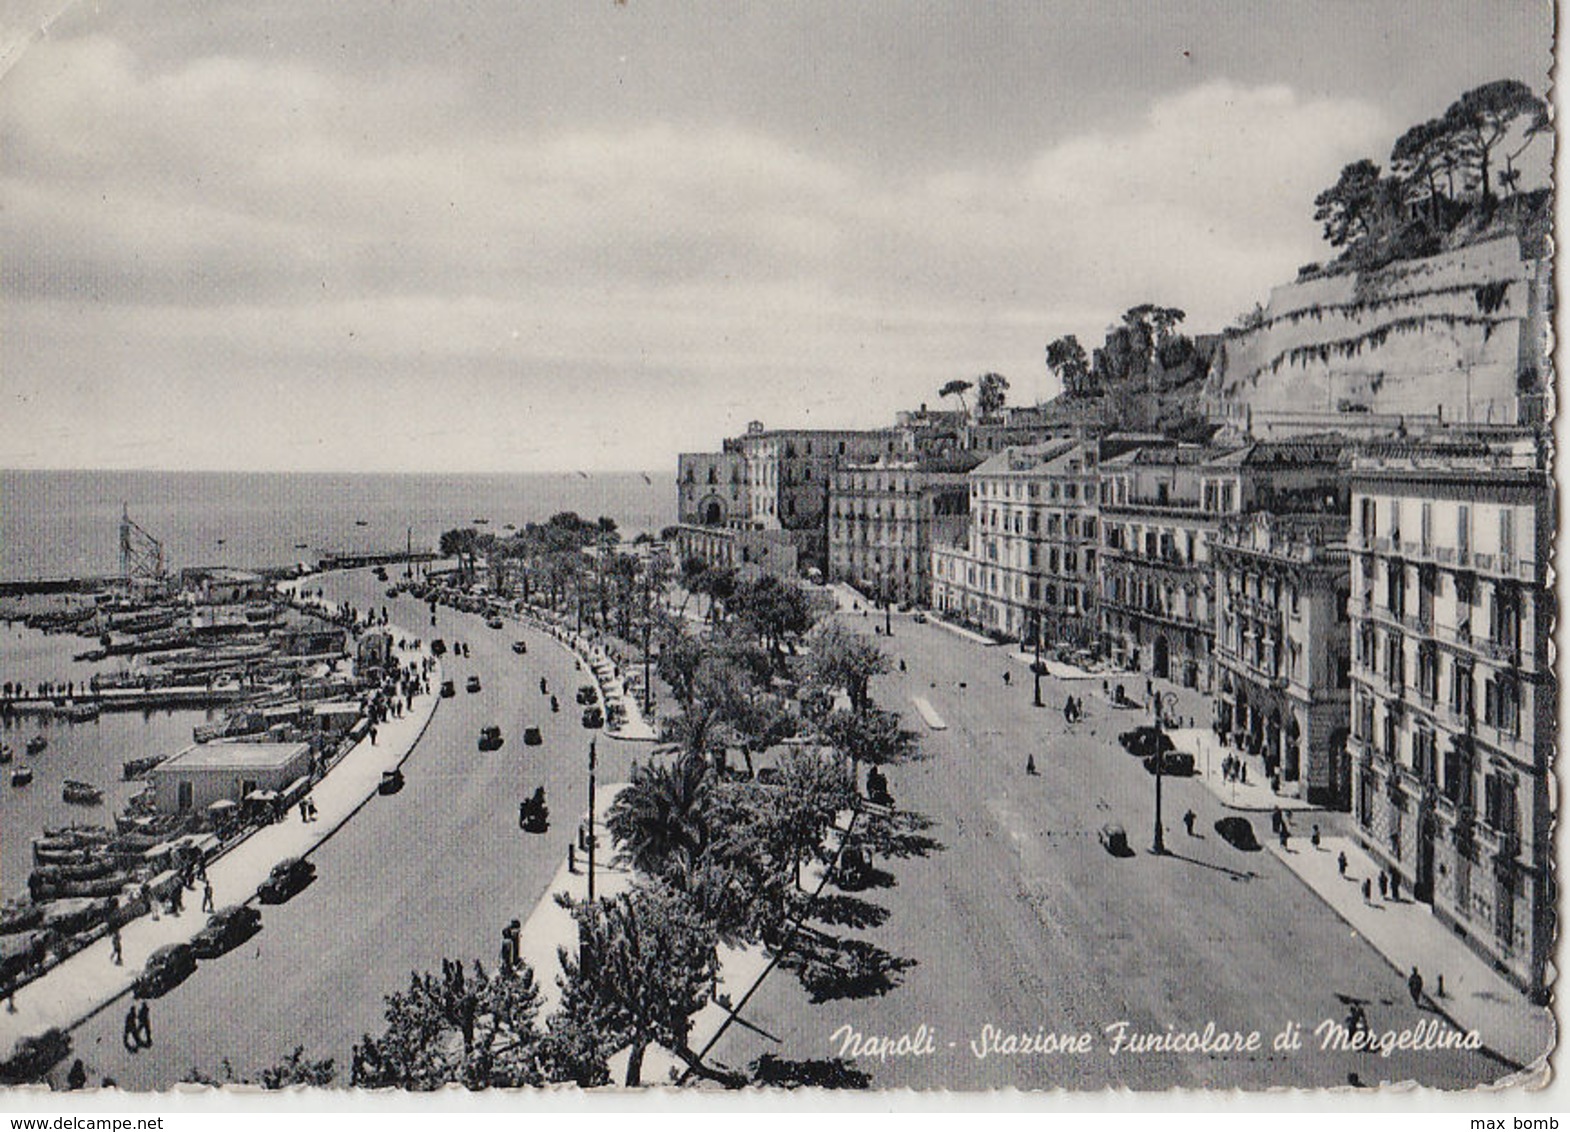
<point x="67" y="524"/>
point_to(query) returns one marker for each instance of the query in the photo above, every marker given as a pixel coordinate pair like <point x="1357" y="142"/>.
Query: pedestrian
<point x="144" y="1025"/>
<point x="902" y="664"/>
<point x="1313" y="836"/>
<point x="77" y="1078"/>
<point x="1384" y="885"/>
<point x="1414" y="984"/>
<point x="1395" y="887"/>
<point x="1341" y="862"/>
<point x="305" y="811"/>
<point x="114" y="947"/>
<point x="207" y="896"/>
<point x="1188" y="822"/>
<point x="1008" y="678"/>
<point x="1283" y="836"/>
<point x="373" y="735"/>
<point x="1368" y="891"/>
<point x="1242" y="770"/>
<point x="176" y="902"/>
<point x="132" y="1036"/>
<point x="572" y="858"/>
<point x="1030" y="765"/>
<point x="1068" y="710"/>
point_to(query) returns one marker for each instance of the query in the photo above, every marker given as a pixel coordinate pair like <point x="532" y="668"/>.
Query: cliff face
<point x="1463" y="332"/>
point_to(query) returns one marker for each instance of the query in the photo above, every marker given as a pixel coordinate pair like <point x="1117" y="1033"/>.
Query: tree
<point x="644" y="967"/>
<point x="1066" y="358"/>
<point x="774" y="611"/>
<point x="295" y="1069"/>
<point x="1418" y="158"/>
<point x="957" y="388"/>
<point x="475" y="1030"/>
<point x="660" y="818"/>
<point x="812" y="790"/>
<point x="873" y="736"/>
<point x="991" y="392"/>
<point x="1349" y="209"/>
<point x="1483" y="118"/>
<point x="462" y="545"/>
<point x="843" y="658"/>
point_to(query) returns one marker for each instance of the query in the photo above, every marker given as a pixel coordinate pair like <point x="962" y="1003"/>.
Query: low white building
<point x="204" y="773"/>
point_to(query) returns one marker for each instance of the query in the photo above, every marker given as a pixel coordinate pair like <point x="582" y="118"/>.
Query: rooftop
<point x="238" y="756"/>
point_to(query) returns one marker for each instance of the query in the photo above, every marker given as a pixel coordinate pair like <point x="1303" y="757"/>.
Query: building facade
<point x="1283" y="670"/>
<point x="885" y="517"/>
<point x="711" y="489"/>
<point x="1454" y="697"/>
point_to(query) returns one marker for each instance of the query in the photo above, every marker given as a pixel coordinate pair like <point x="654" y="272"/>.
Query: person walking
<point x="1384" y="885"/>
<point x="132" y="1035"/>
<point x="1188" y="822"/>
<point x="1030" y="765"/>
<point x="77" y="1078"/>
<point x="114" y="947"/>
<point x="1368" y="891"/>
<point x="207" y="896"/>
<point x="1341" y="862"/>
<point x="1008" y="678"/>
<point x="1313" y="837"/>
<point x="1414" y="984"/>
<point x="144" y="1025"/>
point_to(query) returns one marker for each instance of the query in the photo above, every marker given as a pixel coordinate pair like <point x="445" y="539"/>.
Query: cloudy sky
<point x="496" y="236"/>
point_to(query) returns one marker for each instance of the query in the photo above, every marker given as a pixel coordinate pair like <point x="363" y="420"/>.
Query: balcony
<point x="1420" y="622"/>
<point x="1504" y="652"/>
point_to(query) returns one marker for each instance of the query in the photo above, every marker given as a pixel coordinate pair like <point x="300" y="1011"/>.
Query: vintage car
<point x="1114" y="840"/>
<point x="1238" y="833"/>
<point x="226" y="929"/>
<point x="438" y="647"/>
<point x="593" y="718"/>
<point x="1142" y="742"/>
<point x="473" y="685"/>
<point x="490" y="738"/>
<point x="587" y="694"/>
<point x="447" y="689"/>
<point x="287" y="878"/>
<point x="166" y="968"/>
<point x="520" y="647"/>
<point x="495" y="622"/>
<point x="1179" y="763"/>
<point x="391" y="783"/>
<point x="532" y="737"/>
<point x="919" y="617"/>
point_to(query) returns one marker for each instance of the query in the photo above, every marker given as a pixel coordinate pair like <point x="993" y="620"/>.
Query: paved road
<point x="1021" y="920"/>
<point x="433" y="871"/>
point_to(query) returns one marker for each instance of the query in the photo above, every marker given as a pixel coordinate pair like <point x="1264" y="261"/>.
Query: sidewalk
<point x="89" y="980"/>
<point x="1407" y="934"/>
<point x="606" y="675"/>
<point x="1254" y="795"/>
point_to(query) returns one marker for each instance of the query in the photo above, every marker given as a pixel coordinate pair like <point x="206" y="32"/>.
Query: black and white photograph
<point x="811" y="547"/>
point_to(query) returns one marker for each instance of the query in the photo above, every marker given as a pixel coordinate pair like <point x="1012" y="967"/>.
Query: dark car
<point x="473" y="685"/>
<point x="166" y="968"/>
<point x="1143" y="742"/>
<point x="532" y="737"/>
<point x="1172" y="762"/>
<point x="587" y="694"/>
<point x="1237" y="832"/>
<point x="593" y="718"/>
<point x="391" y="783"/>
<point x="438" y="647"/>
<point x="447" y="689"/>
<point x="520" y="647"/>
<point x="227" y="928"/>
<point x="490" y="738"/>
<point x="287" y="878"/>
<point x="919" y="618"/>
<point x="495" y="622"/>
<point x="1115" y="840"/>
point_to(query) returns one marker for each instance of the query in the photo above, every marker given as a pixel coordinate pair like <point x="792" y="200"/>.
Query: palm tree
<point x="660" y="819"/>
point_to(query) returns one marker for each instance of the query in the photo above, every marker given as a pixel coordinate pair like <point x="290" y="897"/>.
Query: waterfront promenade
<point x="89" y="980"/>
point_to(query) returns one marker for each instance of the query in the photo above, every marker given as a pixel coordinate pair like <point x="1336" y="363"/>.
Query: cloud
<point x="261" y="239"/>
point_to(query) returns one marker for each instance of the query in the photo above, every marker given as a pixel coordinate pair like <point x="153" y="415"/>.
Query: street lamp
<point x="888" y="612"/>
<point x="591" y="821"/>
<point x="1159" y="845"/>
<point x="1036" y="667"/>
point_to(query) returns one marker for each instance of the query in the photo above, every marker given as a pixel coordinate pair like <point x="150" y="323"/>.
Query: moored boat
<point x="21" y="776"/>
<point x="81" y="793"/>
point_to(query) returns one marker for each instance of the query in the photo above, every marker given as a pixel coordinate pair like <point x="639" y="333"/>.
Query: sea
<point x="66" y="524"/>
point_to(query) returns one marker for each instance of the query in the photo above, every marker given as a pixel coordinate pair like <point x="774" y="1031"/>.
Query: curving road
<point x="434" y="871"/>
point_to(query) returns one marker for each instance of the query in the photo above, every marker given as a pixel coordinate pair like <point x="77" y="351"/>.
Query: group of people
<point x="138" y="1028"/>
<point x="1234" y="769"/>
<point x="308" y="809"/>
<point x="1073" y="709"/>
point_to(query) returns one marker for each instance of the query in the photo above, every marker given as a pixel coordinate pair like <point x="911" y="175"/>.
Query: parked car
<point x="1172" y="762"/>
<point x="473" y="685"/>
<point x="1114" y="839"/>
<point x="1238" y="832"/>
<point x="532" y="737"/>
<point x="919" y="617"/>
<point x="391" y="783"/>
<point x="438" y="647"/>
<point x="593" y="718"/>
<point x="166" y="968"/>
<point x="1143" y="742"/>
<point x="520" y="647"/>
<point x="226" y="929"/>
<point x="495" y="622"/>
<point x="490" y="738"/>
<point x="287" y="878"/>
<point x="447" y="689"/>
<point x="587" y="694"/>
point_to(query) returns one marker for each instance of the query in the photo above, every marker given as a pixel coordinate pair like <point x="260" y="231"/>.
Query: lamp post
<point x="1036" y="667"/>
<point x="1159" y="843"/>
<point x="591" y="821"/>
<point x="888" y="613"/>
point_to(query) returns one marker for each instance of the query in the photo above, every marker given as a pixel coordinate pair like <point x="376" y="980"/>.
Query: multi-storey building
<point x="1283" y="675"/>
<point x="1454" y="697"/>
<point x="1028" y="562"/>
<point x="711" y="489"/>
<point x="884" y="518"/>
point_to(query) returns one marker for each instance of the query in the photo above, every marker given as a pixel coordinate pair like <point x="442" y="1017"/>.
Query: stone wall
<point x="1454" y="332"/>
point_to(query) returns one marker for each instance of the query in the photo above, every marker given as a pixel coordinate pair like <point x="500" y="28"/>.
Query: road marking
<point x="928" y="713"/>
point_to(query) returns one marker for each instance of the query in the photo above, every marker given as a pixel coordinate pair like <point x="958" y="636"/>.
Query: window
<point x="1499" y="806"/>
<point x="1502" y="703"/>
<point x="1426" y="526"/>
<point x="1365" y="799"/>
<point x="185" y="795"/>
<point x="1395" y="661"/>
<point x="1395" y="588"/>
<point x="1428" y="670"/>
<point x="1457" y="781"/>
<point x="1424" y="762"/>
<point x="1368" y="513"/>
<point x="1461" y="690"/>
<point x="1506" y="539"/>
<point x="1464" y="529"/>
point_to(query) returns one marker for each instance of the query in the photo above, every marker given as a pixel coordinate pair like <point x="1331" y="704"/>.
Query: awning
<point x="221" y="805"/>
<point x="262" y="796"/>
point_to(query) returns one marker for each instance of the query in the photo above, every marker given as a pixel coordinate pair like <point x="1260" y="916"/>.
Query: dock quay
<point x="133" y="699"/>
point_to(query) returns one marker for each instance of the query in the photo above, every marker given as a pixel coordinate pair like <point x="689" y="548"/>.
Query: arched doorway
<point x="1159" y="659"/>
